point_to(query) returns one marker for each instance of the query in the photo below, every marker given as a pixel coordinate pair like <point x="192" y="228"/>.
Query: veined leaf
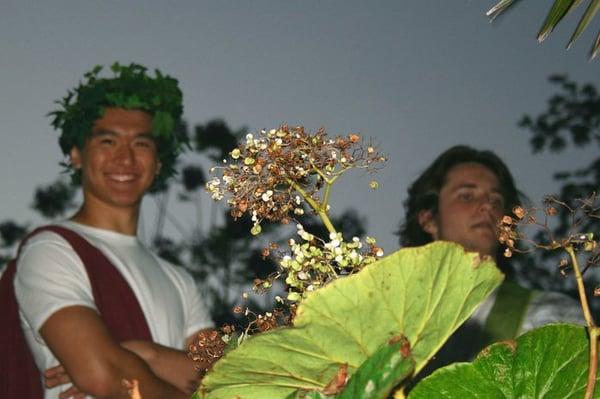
<point x="559" y="9"/>
<point x="424" y="293"/>
<point x="585" y="20"/>
<point x="539" y="364"/>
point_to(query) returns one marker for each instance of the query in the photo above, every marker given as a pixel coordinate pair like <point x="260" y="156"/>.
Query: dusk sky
<point x="417" y="76"/>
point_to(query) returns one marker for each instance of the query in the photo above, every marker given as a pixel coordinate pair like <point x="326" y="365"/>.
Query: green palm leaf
<point x="500" y="8"/>
<point x="585" y="21"/>
<point x="557" y="12"/>
<point x="559" y="9"/>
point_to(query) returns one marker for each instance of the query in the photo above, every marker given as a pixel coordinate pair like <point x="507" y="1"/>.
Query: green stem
<point x="327" y="193"/>
<point x="593" y="331"/>
<point x="326" y="221"/>
<point x="319" y="209"/>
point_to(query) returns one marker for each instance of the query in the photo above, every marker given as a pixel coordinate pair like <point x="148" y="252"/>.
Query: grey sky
<point x="416" y="75"/>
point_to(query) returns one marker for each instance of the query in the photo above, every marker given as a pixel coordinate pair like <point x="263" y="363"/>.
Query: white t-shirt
<point x="50" y="276"/>
<point x="544" y="307"/>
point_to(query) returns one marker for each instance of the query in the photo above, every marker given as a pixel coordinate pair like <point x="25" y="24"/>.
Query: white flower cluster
<point x="312" y="262"/>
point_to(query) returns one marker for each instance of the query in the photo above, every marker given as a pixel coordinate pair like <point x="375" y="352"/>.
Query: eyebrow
<point x="473" y="185"/>
<point x="103" y="132"/>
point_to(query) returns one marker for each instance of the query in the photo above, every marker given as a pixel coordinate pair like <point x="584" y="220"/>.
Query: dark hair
<point x="423" y="194"/>
<point x="130" y="88"/>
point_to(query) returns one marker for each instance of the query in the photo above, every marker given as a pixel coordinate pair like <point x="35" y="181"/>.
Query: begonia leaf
<point x="423" y="293"/>
<point x="548" y="362"/>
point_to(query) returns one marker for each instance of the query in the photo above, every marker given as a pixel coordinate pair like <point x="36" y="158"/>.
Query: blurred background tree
<point x="571" y="120"/>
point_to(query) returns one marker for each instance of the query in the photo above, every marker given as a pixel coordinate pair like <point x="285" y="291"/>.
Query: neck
<point x="119" y="220"/>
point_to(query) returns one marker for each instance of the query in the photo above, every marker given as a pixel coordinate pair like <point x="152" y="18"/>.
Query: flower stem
<point x="593" y="331"/>
<point x="320" y="209"/>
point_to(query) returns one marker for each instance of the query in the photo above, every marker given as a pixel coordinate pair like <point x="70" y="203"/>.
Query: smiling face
<point x="470" y="206"/>
<point x="119" y="160"/>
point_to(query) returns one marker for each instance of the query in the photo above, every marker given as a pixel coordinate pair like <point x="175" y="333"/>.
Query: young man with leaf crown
<point x="461" y="197"/>
<point x="95" y="305"/>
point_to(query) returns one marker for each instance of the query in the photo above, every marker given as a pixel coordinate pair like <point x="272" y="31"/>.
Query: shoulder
<point x="552" y="307"/>
<point x="45" y="243"/>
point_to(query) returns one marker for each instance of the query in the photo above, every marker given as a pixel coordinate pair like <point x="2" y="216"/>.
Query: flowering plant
<point x="366" y="334"/>
<point x="278" y="176"/>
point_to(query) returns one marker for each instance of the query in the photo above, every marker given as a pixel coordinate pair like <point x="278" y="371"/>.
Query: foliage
<point x="423" y="293"/>
<point x="540" y="364"/>
<point x="580" y="246"/>
<point x="54" y="199"/>
<point x="559" y="10"/>
<point x="381" y="372"/>
<point x="572" y="117"/>
<point x="130" y="88"/>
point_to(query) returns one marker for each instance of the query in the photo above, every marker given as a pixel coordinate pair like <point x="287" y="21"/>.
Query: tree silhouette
<point x="571" y="119"/>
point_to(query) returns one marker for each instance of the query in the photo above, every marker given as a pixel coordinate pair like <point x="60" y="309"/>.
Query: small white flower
<point x="303" y="275"/>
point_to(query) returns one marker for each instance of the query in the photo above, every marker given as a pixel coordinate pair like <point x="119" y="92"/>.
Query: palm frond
<point x="559" y="9"/>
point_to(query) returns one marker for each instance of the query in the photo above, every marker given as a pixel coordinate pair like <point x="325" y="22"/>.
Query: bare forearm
<point x="171" y="365"/>
<point x="151" y="385"/>
<point x="95" y="363"/>
<point x="111" y="388"/>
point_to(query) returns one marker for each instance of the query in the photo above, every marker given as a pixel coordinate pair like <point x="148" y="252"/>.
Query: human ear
<point x="428" y="223"/>
<point x="75" y="155"/>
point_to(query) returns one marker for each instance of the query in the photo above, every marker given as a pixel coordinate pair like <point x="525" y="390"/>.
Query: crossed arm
<point x="96" y="365"/>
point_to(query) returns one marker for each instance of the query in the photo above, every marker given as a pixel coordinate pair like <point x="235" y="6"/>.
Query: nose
<point x="125" y="155"/>
<point x="485" y="203"/>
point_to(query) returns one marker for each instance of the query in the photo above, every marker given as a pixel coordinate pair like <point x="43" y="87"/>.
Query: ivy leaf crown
<point x="131" y="87"/>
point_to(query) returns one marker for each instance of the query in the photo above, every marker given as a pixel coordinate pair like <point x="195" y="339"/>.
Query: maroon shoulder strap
<point x="116" y="302"/>
<point x="19" y="376"/>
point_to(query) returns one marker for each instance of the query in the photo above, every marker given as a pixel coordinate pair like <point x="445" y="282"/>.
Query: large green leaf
<point x="424" y="293"/>
<point x="548" y="362"/>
